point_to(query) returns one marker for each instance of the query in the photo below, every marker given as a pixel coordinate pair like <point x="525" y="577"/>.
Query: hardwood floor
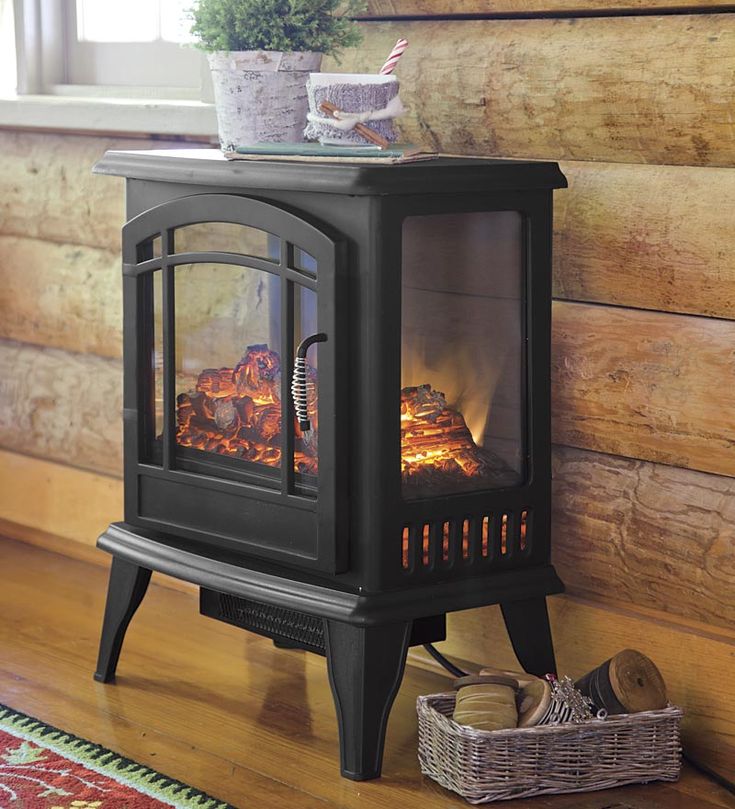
<point x="220" y="708"/>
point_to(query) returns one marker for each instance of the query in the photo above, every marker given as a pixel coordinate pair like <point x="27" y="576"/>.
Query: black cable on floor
<point x="447" y="664"/>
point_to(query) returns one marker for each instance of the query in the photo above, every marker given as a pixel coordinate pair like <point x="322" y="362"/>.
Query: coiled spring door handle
<point x="301" y="385"/>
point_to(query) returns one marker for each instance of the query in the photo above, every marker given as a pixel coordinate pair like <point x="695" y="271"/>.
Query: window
<point x="7" y="49"/>
<point x="96" y="65"/>
<point x="135" y="49"/>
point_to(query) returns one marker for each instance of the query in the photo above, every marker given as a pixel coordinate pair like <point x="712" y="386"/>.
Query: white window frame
<point x="46" y="98"/>
<point x="179" y="71"/>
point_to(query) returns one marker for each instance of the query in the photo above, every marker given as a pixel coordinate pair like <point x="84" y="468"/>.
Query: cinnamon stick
<point x="361" y="129"/>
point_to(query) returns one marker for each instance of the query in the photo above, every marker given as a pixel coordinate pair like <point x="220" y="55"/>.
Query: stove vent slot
<point x="425" y="539"/>
<point x="487" y="523"/>
<point x="466" y="541"/>
<point x="524" y="540"/>
<point x="405" y="548"/>
<point x="504" y="534"/>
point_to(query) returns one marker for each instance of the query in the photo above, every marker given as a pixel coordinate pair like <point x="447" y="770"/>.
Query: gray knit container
<point x="348" y="93"/>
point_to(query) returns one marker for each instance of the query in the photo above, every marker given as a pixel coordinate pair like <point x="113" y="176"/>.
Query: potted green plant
<point x="260" y="54"/>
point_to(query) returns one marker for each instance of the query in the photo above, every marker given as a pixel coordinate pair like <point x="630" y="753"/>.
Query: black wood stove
<point x="337" y="407"/>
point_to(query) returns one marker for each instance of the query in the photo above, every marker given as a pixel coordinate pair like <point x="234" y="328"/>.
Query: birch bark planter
<point x="261" y="95"/>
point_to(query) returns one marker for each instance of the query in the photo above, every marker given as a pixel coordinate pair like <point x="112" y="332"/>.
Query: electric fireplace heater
<point x="336" y="407"/>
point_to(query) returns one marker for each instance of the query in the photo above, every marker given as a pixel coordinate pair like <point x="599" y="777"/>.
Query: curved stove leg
<point x="128" y="585"/>
<point x="527" y="622"/>
<point x="365" y="670"/>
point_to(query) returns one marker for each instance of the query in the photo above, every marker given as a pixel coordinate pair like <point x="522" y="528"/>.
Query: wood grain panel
<point x="73" y="505"/>
<point x="143" y="743"/>
<point x="645" y="385"/>
<point x="61" y="406"/>
<point x="61" y="295"/>
<point x="652" y="237"/>
<point x="48" y="191"/>
<point x="651" y="535"/>
<point x="697" y="666"/>
<point x="627" y="89"/>
<point x="442" y="8"/>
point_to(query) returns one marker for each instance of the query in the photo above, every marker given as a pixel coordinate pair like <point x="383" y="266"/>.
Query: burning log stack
<point x="237" y="412"/>
<point x="437" y="448"/>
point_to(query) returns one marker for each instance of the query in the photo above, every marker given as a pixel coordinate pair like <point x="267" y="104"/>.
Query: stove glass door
<point x="229" y="373"/>
<point x="222" y="294"/>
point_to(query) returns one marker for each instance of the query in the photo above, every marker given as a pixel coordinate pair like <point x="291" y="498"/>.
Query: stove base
<point x="289" y="629"/>
<point x="364" y="637"/>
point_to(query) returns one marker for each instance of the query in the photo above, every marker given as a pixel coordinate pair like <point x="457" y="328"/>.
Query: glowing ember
<point x="437" y="448"/>
<point x="434" y="436"/>
<point x="237" y="412"/>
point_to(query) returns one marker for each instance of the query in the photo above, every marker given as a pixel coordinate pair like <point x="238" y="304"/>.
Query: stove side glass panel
<point x="462" y="406"/>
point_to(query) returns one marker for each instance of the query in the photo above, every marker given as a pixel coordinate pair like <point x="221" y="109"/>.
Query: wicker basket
<point x="484" y="766"/>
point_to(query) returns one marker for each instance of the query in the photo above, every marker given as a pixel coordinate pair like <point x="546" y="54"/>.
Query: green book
<point x="399" y="153"/>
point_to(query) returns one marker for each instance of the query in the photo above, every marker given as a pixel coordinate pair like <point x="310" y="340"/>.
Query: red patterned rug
<point x="42" y="767"/>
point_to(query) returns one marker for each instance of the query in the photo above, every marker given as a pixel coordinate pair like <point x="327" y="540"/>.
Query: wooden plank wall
<point x="637" y="103"/>
<point x="60" y="336"/>
<point x="638" y="109"/>
<point x="459" y="8"/>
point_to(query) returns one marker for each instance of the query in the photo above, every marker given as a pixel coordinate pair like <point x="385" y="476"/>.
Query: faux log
<point x="626" y="89"/>
<point x="695" y="663"/>
<point x="650" y="237"/>
<point x="448" y="8"/>
<point x="47" y="190"/>
<point x="646" y="385"/>
<point x="70" y="297"/>
<point x="61" y="406"/>
<point x="645" y="534"/>
<point x="61" y="295"/>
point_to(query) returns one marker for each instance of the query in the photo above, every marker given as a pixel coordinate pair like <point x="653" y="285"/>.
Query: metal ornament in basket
<point x="485" y="766"/>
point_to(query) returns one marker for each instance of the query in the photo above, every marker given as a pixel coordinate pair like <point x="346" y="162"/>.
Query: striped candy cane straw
<point x="395" y="55"/>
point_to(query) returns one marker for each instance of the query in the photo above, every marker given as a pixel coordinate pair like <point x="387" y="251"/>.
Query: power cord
<point x="442" y="661"/>
<point x="711" y="774"/>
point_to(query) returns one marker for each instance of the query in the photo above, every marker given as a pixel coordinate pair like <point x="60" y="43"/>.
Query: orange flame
<point x="237" y="412"/>
<point x="435" y="440"/>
